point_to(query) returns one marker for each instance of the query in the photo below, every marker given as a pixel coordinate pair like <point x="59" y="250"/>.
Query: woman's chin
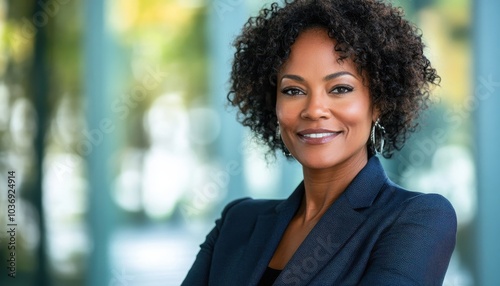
<point x="318" y="161"/>
<point x="329" y="159"/>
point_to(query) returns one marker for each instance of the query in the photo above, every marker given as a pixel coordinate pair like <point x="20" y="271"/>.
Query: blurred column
<point x="486" y="95"/>
<point x="226" y="18"/>
<point x="40" y="90"/>
<point x="98" y="101"/>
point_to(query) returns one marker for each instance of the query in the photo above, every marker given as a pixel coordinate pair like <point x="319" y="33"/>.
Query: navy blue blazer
<point x="375" y="233"/>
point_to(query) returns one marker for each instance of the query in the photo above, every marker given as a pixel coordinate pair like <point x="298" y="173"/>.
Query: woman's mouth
<point x="317" y="136"/>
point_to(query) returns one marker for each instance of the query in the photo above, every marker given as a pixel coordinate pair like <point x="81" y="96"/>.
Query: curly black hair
<point x="383" y="45"/>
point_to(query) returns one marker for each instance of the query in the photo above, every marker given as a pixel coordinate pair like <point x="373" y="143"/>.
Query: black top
<point x="269" y="276"/>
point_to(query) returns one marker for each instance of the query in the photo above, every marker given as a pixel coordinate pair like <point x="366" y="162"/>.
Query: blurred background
<point x="113" y="117"/>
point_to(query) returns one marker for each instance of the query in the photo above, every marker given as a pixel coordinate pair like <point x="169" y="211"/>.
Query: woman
<point x="331" y="83"/>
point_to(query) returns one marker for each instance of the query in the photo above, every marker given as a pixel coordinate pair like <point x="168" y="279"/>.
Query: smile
<point x="318" y="135"/>
<point x="315" y="137"/>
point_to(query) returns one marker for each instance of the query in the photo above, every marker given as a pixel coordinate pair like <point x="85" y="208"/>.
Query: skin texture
<point x="317" y="91"/>
<point x="372" y="34"/>
<point x="305" y="100"/>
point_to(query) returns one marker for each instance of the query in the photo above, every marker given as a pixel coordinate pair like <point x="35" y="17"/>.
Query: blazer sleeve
<point x="417" y="248"/>
<point x="200" y="270"/>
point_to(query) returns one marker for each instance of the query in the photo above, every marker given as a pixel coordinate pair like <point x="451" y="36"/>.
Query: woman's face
<point x="324" y="109"/>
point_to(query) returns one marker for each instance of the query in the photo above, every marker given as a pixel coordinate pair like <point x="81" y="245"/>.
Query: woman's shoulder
<point x="421" y="206"/>
<point x="249" y="207"/>
<point x="419" y="199"/>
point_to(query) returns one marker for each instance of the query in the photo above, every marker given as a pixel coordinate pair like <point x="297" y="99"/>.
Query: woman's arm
<point x="417" y="248"/>
<point x="199" y="272"/>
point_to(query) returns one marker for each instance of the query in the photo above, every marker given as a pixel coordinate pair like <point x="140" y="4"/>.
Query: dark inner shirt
<point x="269" y="276"/>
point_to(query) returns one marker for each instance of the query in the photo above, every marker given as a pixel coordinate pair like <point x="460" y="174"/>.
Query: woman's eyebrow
<point x="293" y="77"/>
<point x="326" y="78"/>
<point x="337" y="74"/>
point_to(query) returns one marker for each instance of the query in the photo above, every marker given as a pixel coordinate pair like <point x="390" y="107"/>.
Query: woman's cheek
<point x="354" y="113"/>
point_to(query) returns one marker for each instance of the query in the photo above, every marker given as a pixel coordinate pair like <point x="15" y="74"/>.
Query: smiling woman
<point x="323" y="105"/>
<point x="329" y="82"/>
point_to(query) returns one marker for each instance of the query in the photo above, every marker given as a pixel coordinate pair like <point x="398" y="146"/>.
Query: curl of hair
<point x="383" y="45"/>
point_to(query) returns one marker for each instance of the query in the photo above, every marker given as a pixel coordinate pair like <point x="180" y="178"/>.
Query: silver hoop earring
<point x="377" y="141"/>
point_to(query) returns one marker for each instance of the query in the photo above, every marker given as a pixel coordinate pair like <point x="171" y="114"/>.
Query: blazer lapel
<point x="267" y="233"/>
<point x="336" y="226"/>
<point x="333" y="230"/>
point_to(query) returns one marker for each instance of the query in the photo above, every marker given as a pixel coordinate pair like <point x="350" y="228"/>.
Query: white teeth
<point x="318" y="135"/>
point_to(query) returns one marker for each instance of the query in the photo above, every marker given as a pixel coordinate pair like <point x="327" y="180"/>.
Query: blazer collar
<point x="366" y="185"/>
<point x="360" y="193"/>
<point x="341" y="219"/>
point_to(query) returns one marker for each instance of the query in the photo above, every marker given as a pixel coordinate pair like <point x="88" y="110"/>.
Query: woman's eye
<point x="342" y="89"/>
<point x="292" y="91"/>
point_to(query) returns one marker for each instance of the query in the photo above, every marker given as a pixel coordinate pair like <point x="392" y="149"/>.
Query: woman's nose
<point x="316" y="106"/>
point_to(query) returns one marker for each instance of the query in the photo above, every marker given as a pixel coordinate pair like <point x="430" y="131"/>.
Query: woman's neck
<point x="324" y="186"/>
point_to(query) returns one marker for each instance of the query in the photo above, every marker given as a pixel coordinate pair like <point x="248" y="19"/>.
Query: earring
<point x="278" y="131"/>
<point x="381" y="133"/>
<point x="286" y="153"/>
